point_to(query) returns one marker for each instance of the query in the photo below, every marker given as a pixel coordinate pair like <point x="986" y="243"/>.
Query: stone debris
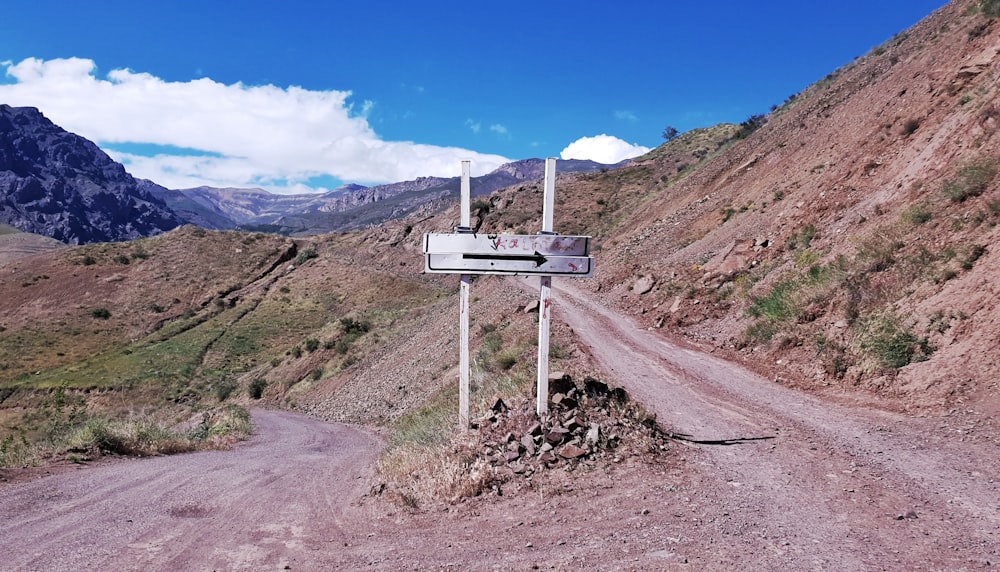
<point x="583" y="425"/>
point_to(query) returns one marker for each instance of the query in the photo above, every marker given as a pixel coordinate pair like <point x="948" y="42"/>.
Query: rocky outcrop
<point x="58" y="184"/>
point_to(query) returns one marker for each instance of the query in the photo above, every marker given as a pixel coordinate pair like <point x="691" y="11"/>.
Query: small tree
<point x="670" y="133"/>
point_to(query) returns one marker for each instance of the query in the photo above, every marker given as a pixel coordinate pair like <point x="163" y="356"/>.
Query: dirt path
<point x="825" y="487"/>
<point x="280" y="500"/>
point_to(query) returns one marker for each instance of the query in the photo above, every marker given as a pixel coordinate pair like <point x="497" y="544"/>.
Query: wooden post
<point x="463" y="321"/>
<point x="545" y="294"/>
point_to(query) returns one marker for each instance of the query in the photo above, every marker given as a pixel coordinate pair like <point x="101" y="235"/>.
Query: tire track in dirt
<point x="280" y="499"/>
<point x="836" y="487"/>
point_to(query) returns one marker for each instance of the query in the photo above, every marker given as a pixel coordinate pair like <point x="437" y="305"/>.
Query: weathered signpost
<point x="545" y="254"/>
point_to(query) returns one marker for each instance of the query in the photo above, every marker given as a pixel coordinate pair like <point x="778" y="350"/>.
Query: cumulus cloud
<point x="603" y="149"/>
<point x="245" y="136"/>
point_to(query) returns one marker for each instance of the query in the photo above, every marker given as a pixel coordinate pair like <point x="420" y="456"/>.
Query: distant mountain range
<point x="58" y="184"/>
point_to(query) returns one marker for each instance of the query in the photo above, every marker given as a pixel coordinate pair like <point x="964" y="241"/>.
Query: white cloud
<point x="625" y="115"/>
<point x="603" y="149"/>
<point x="251" y="136"/>
<point x="498" y="128"/>
<point x="474" y="126"/>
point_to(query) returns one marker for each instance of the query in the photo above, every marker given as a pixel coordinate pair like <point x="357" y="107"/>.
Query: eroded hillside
<point x="846" y="244"/>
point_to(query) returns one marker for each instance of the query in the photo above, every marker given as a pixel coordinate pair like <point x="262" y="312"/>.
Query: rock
<point x="528" y="442"/>
<point x="499" y="406"/>
<point x="559" y="382"/>
<point x="511" y="456"/>
<point x="556" y="435"/>
<point x="595" y="388"/>
<point x="644" y="284"/>
<point x="535" y="429"/>
<point x="572" y="452"/>
<point x="532" y="307"/>
<point x="676" y="305"/>
<point x="573" y="423"/>
<point x="547" y="457"/>
<point x="593" y="433"/>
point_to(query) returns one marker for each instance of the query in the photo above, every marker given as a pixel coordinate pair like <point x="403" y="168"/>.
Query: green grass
<point x="888" y="343"/>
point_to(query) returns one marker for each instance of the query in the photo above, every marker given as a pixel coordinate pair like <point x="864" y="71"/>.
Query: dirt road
<point x="796" y="483"/>
<point x="280" y="500"/>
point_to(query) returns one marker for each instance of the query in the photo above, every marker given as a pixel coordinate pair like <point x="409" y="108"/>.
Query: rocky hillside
<point x="60" y="185"/>
<point x="844" y="242"/>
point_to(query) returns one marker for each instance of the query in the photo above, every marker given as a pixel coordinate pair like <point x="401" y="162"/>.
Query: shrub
<point x="256" y="388"/>
<point x="971" y="179"/>
<point x="100" y="313"/>
<point x="751" y="124"/>
<point x="917" y="214"/>
<point x="910" y="127"/>
<point x="306" y="254"/>
<point x="312" y="345"/>
<point x="316" y="374"/>
<point x="224" y="388"/>
<point x="990" y="8"/>
<point x="889" y="344"/>
<point x="974" y="253"/>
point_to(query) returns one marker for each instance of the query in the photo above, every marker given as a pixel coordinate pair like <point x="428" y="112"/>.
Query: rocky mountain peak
<point x="58" y="184"/>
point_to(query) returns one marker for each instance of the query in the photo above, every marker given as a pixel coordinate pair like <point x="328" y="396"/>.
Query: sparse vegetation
<point x="307" y="254"/>
<point x="889" y="344"/>
<point x="971" y="180"/>
<point x="990" y="8"/>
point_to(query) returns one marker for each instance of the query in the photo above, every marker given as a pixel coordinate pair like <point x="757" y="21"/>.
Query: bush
<point x="990" y="8"/>
<point x="917" y="214"/>
<point x="312" y="345"/>
<point x="224" y="388"/>
<point x="256" y="388"/>
<point x="971" y="180"/>
<point x="100" y="313"/>
<point x="889" y="344"/>
<point x="306" y="254"/>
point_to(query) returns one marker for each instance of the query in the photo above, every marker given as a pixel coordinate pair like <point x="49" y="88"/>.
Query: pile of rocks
<point x="584" y="424"/>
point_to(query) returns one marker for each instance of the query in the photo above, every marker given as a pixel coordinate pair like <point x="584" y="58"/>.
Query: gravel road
<point x="792" y="482"/>
<point x="277" y="501"/>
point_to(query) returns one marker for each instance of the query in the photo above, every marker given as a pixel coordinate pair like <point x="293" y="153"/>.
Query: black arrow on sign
<point x="538" y="258"/>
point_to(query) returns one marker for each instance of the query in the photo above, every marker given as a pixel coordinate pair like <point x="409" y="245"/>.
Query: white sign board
<point x="520" y="254"/>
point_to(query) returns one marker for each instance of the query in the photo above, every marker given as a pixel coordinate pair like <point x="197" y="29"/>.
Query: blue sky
<point x="297" y="96"/>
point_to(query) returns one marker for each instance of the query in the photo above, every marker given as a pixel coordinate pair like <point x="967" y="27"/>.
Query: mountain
<point x="346" y="208"/>
<point x="60" y="185"/>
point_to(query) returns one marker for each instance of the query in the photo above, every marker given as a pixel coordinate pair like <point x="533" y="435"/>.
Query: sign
<point x="545" y="254"/>
<point x="518" y="254"/>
